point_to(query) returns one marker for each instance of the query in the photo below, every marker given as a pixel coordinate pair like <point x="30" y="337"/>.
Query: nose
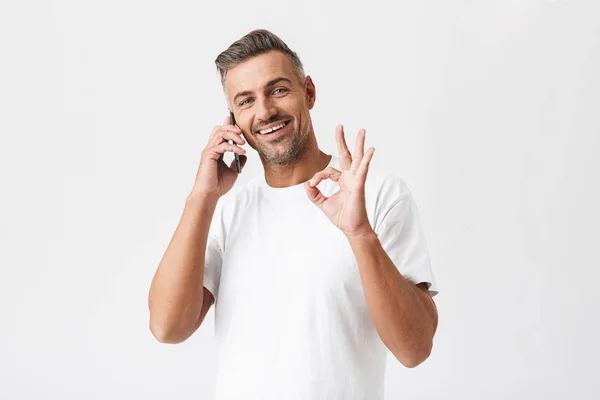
<point x="265" y="110"/>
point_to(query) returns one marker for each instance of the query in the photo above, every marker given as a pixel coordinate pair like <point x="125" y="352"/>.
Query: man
<point x="314" y="270"/>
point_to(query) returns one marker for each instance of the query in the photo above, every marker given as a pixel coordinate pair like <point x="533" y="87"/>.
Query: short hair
<point x="256" y="42"/>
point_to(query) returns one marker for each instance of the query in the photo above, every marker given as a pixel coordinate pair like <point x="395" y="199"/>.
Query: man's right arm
<point x="177" y="299"/>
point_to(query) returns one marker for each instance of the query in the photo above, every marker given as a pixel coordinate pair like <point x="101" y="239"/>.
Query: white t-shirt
<point x="291" y="318"/>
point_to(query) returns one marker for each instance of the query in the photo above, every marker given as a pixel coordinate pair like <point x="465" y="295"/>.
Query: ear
<point x="311" y="92"/>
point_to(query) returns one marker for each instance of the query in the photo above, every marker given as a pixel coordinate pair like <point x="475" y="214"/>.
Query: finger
<point x="215" y="136"/>
<point x="314" y="194"/>
<point x="229" y="128"/>
<point x="228" y="135"/>
<point x="218" y="152"/>
<point x="363" y="169"/>
<point x="223" y="135"/>
<point x="325" y="174"/>
<point x="345" y="156"/>
<point x="359" y="151"/>
<point x="224" y="147"/>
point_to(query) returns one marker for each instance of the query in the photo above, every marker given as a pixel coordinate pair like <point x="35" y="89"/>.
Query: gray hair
<point x="257" y="42"/>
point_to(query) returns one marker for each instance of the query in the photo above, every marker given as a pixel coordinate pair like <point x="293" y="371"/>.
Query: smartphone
<point x="238" y="165"/>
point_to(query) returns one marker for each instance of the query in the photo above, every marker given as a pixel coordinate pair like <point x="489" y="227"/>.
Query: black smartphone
<point x="238" y="165"/>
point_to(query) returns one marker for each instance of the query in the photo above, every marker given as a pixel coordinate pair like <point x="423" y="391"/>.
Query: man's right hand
<point x="214" y="178"/>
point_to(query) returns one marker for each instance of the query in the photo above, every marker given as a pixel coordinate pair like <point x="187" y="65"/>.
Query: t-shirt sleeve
<point x="401" y="235"/>
<point x="213" y="258"/>
<point x="213" y="261"/>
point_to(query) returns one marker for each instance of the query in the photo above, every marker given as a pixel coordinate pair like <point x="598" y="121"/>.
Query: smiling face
<point x="264" y="92"/>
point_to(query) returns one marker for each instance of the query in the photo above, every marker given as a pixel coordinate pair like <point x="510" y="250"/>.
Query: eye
<point x="284" y="89"/>
<point x="243" y="103"/>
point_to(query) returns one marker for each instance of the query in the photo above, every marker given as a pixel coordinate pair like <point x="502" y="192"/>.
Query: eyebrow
<point x="270" y="83"/>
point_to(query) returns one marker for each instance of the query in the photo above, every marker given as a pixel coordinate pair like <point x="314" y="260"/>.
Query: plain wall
<point x="489" y="110"/>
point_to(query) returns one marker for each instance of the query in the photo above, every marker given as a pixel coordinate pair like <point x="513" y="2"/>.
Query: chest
<point x="280" y="253"/>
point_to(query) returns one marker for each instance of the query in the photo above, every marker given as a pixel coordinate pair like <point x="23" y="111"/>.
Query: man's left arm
<point x="404" y="314"/>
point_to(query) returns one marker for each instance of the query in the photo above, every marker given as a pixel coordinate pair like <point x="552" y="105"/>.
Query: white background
<point x="489" y="110"/>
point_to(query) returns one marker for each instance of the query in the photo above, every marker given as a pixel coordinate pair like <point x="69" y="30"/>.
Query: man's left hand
<point x="345" y="208"/>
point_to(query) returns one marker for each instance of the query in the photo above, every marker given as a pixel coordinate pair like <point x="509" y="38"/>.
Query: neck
<point x="303" y="169"/>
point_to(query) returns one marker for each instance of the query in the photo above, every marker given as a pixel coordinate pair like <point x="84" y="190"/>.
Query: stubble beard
<point x="275" y="153"/>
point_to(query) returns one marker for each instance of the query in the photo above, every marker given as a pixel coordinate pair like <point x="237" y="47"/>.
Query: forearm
<point x="176" y="292"/>
<point x="404" y="321"/>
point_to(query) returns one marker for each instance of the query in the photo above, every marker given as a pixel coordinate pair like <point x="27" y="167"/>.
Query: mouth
<point x="274" y="131"/>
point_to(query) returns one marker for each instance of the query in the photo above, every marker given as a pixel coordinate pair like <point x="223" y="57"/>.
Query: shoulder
<point x="386" y="195"/>
<point x="385" y="188"/>
<point x="238" y="198"/>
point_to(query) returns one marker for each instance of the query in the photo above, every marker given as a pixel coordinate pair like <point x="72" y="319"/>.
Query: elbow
<point x="165" y="335"/>
<point x="416" y="358"/>
<point x="413" y="362"/>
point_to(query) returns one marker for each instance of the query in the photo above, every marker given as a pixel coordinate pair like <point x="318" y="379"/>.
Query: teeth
<point x="272" y="129"/>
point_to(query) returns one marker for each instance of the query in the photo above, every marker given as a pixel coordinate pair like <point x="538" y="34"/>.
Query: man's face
<point x="264" y="92"/>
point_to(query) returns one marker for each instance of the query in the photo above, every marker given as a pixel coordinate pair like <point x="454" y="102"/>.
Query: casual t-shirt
<point x="291" y="318"/>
